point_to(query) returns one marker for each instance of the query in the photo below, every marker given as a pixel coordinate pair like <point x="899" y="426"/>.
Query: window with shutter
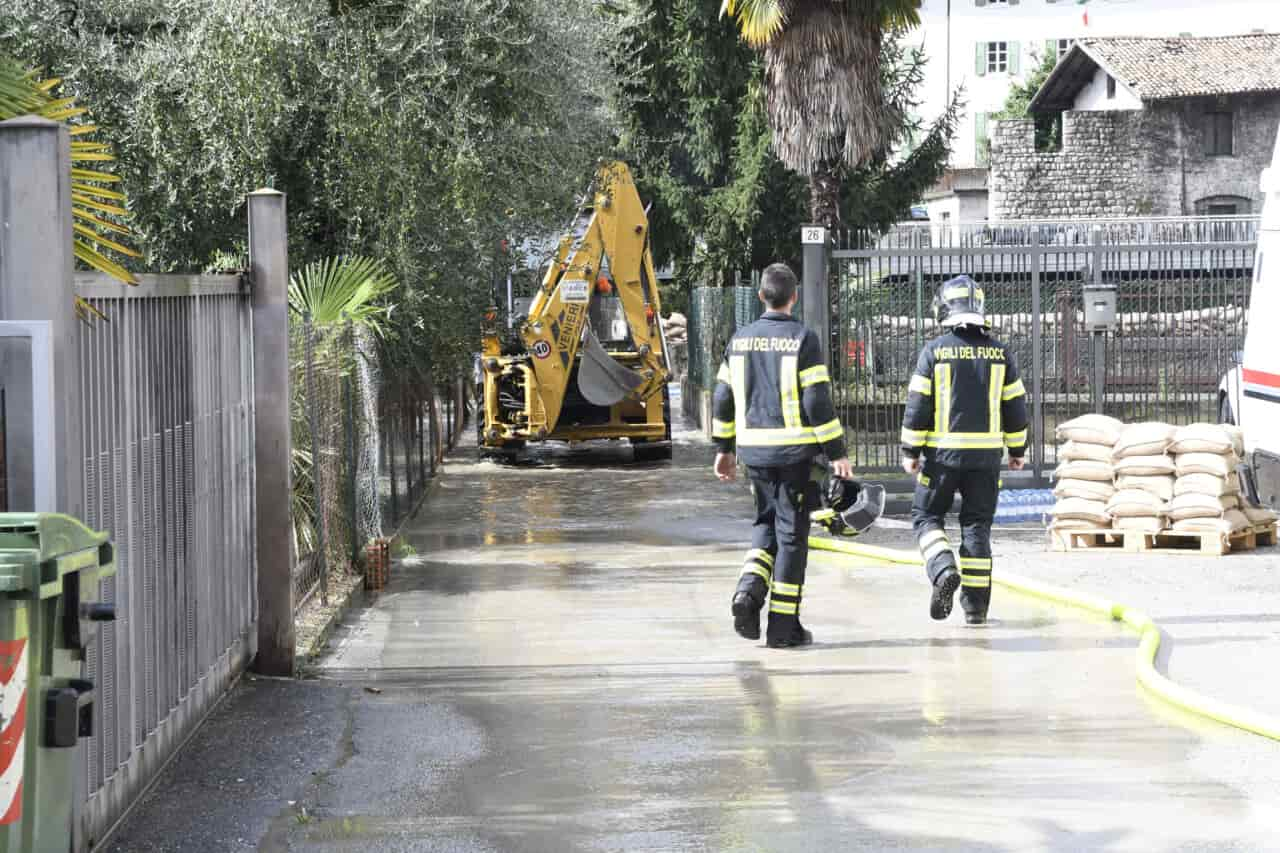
<point x="1219" y="133"/>
<point x="997" y="57"/>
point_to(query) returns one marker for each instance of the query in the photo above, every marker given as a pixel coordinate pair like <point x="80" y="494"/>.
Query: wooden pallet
<point x="1167" y="542"/>
<point x="1087" y="540"/>
<point x="1266" y="534"/>
<point x="1196" y="544"/>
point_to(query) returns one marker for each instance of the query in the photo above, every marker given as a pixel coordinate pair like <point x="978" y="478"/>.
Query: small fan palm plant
<point x="97" y="209"/>
<point x="328" y="299"/>
<point x="338" y="291"/>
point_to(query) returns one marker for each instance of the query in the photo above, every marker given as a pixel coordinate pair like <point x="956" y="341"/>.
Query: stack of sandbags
<point x="676" y="329"/>
<point x="1085" y="472"/>
<point x="1145" y="474"/>
<point x="1207" y="491"/>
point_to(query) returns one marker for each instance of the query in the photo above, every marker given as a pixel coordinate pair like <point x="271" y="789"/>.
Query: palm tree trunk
<point x="824" y="195"/>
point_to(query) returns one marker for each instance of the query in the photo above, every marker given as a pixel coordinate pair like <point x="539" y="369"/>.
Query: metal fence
<point x="715" y="313"/>
<point x="367" y="440"/>
<point x="1183" y="290"/>
<point x="169" y="472"/>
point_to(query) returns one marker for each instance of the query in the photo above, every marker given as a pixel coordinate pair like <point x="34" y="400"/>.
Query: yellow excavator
<point x="589" y="361"/>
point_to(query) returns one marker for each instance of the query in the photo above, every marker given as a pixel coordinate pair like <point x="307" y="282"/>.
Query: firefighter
<point x="965" y="405"/>
<point x="772" y="408"/>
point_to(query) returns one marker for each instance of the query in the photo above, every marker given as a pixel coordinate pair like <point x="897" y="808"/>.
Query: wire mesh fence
<point x="367" y="439"/>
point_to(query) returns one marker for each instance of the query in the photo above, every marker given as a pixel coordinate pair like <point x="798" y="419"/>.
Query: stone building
<point x="1150" y="127"/>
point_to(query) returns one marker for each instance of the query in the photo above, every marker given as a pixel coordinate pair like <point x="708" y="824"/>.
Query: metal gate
<point x="1183" y="291"/>
<point x="169" y="472"/>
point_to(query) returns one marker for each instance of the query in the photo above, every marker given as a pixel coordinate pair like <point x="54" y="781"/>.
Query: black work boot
<point x="974" y="602"/>
<point x="944" y="593"/>
<point x="974" y="611"/>
<point x="746" y="614"/>
<point x="786" y="632"/>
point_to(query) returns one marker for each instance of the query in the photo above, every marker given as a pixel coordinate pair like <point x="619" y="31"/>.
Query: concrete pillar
<point x="37" y="282"/>
<point x="269" y="265"/>
<point x="815" y="295"/>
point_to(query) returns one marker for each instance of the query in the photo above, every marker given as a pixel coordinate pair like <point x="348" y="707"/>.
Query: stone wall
<point x="1148" y="162"/>
<point x="1095" y="173"/>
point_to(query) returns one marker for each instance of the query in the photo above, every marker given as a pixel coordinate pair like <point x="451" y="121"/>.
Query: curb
<point x="356" y="597"/>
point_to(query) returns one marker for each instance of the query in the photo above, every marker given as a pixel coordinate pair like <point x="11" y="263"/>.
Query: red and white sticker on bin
<point x="13" y="726"/>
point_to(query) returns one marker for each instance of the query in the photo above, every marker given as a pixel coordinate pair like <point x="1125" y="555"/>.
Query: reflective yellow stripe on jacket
<point x="790" y="392"/>
<point x="793" y="431"/>
<point x="814" y="375"/>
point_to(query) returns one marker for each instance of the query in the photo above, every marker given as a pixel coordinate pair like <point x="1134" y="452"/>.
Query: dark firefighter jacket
<point x="966" y="403"/>
<point x="773" y="396"/>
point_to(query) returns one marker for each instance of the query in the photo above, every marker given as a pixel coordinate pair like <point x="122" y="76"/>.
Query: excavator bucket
<point x="603" y="381"/>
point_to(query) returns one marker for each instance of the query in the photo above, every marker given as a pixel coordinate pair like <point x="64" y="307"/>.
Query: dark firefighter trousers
<point x="779" y="552"/>
<point x="979" y="490"/>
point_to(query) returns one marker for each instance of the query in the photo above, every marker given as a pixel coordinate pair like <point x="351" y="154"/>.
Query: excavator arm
<point x="614" y="227"/>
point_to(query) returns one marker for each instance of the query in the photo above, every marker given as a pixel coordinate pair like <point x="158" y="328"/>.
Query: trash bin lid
<point x="41" y="538"/>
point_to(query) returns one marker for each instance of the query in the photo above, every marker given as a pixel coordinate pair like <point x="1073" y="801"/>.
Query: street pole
<point x="815" y="297"/>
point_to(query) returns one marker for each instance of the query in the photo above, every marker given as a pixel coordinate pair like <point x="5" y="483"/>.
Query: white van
<point x="1250" y="394"/>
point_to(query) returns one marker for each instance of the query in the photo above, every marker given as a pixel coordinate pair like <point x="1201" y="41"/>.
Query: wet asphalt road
<point x="555" y="670"/>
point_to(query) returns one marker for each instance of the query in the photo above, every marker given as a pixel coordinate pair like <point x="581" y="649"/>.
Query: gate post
<point x="1038" y="438"/>
<point x="37" y="282"/>
<point x="815" y="296"/>
<point x="273" y="452"/>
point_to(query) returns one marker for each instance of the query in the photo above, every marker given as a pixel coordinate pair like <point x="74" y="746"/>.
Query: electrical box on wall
<point x="1099" y="307"/>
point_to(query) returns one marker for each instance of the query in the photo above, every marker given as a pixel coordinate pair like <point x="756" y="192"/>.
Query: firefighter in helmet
<point x="966" y="405"/>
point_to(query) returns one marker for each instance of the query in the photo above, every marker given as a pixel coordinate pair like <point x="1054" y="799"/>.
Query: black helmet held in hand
<point x="852" y="507"/>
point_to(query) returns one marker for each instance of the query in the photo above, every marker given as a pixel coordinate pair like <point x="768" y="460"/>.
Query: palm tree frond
<point x="340" y="290"/>
<point x="759" y="21"/>
<point x="23" y="93"/>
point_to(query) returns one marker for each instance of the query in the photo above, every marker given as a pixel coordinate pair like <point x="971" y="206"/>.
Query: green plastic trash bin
<point x="50" y="568"/>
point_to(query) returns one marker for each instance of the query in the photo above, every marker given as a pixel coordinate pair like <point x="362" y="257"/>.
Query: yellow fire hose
<point x="1148" y="638"/>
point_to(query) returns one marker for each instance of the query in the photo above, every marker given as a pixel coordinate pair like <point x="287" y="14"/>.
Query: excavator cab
<point x="589" y="361"/>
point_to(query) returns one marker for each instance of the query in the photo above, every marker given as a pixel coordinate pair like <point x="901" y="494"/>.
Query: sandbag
<point x="1161" y="486"/>
<point x="1146" y="439"/>
<point x="1081" y="509"/>
<point x="1146" y="466"/>
<point x="1257" y="515"/>
<point x="1074" y="524"/>
<point x="1085" y="469"/>
<point x="1130" y="503"/>
<point x="1091" y="429"/>
<point x="1192" y="505"/>
<point x="1207" y="463"/>
<point x="1206" y="484"/>
<point x="1237" y="437"/>
<point x="1239" y="521"/>
<point x="1077" y="450"/>
<point x="1141" y="523"/>
<point x="1202" y="438"/>
<point x="1203" y="525"/>
<point x="1092" y="490"/>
